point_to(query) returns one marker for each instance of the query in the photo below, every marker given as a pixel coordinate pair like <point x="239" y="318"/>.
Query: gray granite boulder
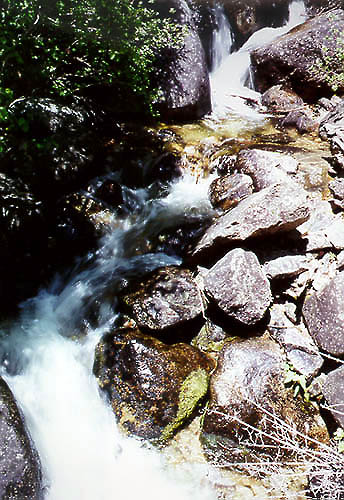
<point x="324" y="315"/>
<point x="20" y="471"/>
<point x="226" y="192"/>
<point x="286" y="266"/>
<point x="165" y="298"/>
<point x="333" y="391"/>
<point x="239" y="286"/>
<point x="307" y="59"/>
<point x="251" y="415"/>
<point x="265" y="167"/>
<point x="277" y="208"/>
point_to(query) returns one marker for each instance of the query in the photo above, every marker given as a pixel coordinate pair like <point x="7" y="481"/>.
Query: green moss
<point x="193" y="389"/>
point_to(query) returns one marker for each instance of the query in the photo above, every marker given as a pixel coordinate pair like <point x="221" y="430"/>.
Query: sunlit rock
<point x="265" y="167"/>
<point x="299" y="347"/>
<point x="307" y="59"/>
<point x="279" y="100"/>
<point x="277" y="208"/>
<point x="252" y="416"/>
<point x="333" y="391"/>
<point x="324" y="315"/>
<point x="20" y="470"/>
<point x="153" y="387"/>
<point x="239" y="286"/>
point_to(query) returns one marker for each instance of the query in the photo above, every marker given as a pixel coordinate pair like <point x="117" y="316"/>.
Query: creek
<point x="49" y="370"/>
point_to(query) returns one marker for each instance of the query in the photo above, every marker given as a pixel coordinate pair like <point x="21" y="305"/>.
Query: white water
<point x="230" y="81"/>
<point x="83" y="454"/>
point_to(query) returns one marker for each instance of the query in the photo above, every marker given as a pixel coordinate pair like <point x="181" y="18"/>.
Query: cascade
<point x="230" y="80"/>
<point x="83" y="454"/>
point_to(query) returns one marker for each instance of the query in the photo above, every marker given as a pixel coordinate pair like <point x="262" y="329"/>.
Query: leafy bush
<point x="59" y="47"/>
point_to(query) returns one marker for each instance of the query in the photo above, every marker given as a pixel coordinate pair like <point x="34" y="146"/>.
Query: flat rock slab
<point x="165" y="298"/>
<point x="239" y="286"/>
<point x="333" y="391"/>
<point x="277" y="208"/>
<point x="324" y="316"/>
<point x="286" y="266"/>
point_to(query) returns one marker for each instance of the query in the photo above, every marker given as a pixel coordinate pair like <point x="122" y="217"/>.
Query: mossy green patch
<point x="193" y="389"/>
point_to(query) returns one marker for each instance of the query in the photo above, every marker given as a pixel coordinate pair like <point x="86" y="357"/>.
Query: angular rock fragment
<point x="298" y="345"/>
<point x="277" y="208"/>
<point x="153" y="387"/>
<point x="286" y="266"/>
<point x="239" y="286"/>
<point x="251" y="415"/>
<point x="165" y="298"/>
<point x="324" y="316"/>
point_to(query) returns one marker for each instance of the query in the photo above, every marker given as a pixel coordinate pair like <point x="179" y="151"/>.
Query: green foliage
<point x="59" y="47"/>
<point x="297" y="382"/>
<point x="338" y="436"/>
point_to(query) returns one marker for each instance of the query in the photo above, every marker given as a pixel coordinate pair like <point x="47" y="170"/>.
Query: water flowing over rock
<point x="166" y="298"/>
<point x="250" y="406"/>
<point x="277" y="208"/>
<point x="299" y="59"/>
<point x="20" y="472"/>
<point x="239" y="286"/>
<point x="153" y="388"/>
<point x="323" y="313"/>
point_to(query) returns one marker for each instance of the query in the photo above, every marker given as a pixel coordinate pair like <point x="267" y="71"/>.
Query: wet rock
<point x="166" y="298"/>
<point x="279" y="100"/>
<point x="277" y="208"/>
<point x="110" y="192"/>
<point x="210" y="338"/>
<point x="333" y="391"/>
<point x="251" y="413"/>
<point x="239" y="286"/>
<point x="153" y="388"/>
<point x="318" y="6"/>
<point x="182" y="74"/>
<point x="226" y="192"/>
<point x="332" y="121"/>
<point x="323" y="313"/>
<point x="20" y="471"/>
<point x="299" y="59"/>
<point x="299" y="347"/>
<point x="265" y="167"/>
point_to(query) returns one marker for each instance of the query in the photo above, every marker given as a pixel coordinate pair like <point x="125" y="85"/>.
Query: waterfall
<point x="222" y="41"/>
<point x="83" y="454"/>
<point x="230" y="80"/>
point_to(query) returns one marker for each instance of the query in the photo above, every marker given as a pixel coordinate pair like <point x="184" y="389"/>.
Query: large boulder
<point x="239" y="286"/>
<point x="181" y="73"/>
<point x="153" y="387"/>
<point x="333" y="391"/>
<point x="166" y="298"/>
<point x="251" y="416"/>
<point x="314" y="7"/>
<point x="274" y="209"/>
<point x="20" y="471"/>
<point x="226" y="191"/>
<point x="307" y="59"/>
<point x="323" y="313"/>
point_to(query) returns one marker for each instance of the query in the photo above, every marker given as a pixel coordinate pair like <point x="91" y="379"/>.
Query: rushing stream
<point x="83" y="455"/>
